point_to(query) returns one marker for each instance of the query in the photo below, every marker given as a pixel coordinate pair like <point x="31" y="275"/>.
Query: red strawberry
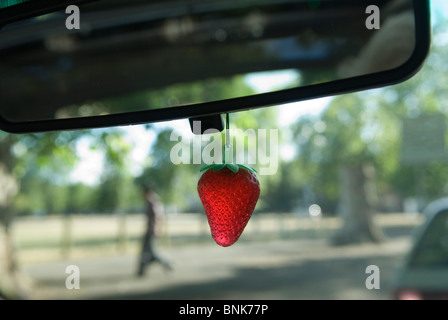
<point x="229" y="194"/>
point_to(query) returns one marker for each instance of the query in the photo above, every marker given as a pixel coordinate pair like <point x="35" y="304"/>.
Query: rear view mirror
<point x="88" y="64"/>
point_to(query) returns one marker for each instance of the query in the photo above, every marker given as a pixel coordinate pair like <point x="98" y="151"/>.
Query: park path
<point x="281" y="269"/>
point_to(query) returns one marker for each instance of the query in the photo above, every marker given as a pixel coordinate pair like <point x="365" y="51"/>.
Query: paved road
<point x="282" y="269"/>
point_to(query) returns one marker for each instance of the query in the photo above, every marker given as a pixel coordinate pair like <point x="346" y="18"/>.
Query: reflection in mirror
<point x="389" y="48"/>
<point x="142" y="55"/>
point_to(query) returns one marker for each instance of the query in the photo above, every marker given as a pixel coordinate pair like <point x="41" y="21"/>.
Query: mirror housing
<point x="29" y="102"/>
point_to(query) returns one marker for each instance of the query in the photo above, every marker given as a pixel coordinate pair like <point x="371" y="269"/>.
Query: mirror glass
<point x="119" y="56"/>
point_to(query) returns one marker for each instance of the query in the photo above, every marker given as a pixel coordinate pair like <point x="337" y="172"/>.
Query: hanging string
<point x="227" y="130"/>
<point x="228" y="157"/>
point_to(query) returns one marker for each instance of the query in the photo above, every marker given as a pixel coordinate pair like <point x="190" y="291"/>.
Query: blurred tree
<point x="20" y="157"/>
<point x="337" y="159"/>
<point x="160" y="173"/>
<point x="38" y="166"/>
<point x="284" y="191"/>
<point x="353" y="150"/>
<point x="112" y="186"/>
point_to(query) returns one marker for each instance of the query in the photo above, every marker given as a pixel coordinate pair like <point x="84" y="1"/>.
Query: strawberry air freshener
<point x="229" y="193"/>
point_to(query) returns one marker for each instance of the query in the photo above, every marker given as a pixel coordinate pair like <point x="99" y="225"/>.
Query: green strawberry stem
<point x="231" y="166"/>
<point x="227" y="156"/>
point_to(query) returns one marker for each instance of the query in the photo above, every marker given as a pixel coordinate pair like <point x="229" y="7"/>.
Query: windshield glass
<point x="116" y="214"/>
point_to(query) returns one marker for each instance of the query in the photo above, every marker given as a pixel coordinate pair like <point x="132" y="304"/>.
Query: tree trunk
<point x="10" y="287"/>
<point x="356" y="209"/>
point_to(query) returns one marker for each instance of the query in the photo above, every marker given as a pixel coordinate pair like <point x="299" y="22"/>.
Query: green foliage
<point x="180" y="94"/>
<point x="160" y="173"/>
<point x="366" y="128"/>
<point x="283" y="192"/>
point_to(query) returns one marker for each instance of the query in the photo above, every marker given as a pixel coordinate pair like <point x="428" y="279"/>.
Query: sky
<point x="89" y="168"/>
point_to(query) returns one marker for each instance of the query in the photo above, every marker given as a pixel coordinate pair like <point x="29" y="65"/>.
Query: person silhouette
<point x="154" y="213"/>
